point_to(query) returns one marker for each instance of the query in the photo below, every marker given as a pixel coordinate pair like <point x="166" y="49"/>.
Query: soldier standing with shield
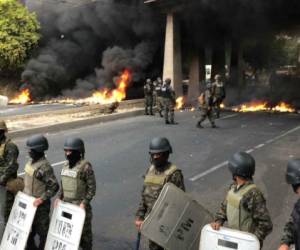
<point x="79" y="185"/>
<point x="244" y="207"/>
<point x="41" y="183"/>
<point x="160" y="172"/>
<point x="8" y="171"/>
<point x="291" y="231"/>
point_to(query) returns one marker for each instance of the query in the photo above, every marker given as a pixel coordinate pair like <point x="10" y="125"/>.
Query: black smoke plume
<point x="85" y="45"/>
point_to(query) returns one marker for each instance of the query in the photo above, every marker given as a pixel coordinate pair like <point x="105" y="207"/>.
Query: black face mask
<point x="73" y="158"/>
<point x="160" y="162"/>
<point x="35" y="156"/>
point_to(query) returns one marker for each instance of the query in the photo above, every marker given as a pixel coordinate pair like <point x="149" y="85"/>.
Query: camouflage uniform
<point x="159" y="98"/>
<point x="255" y="204"/>
<point x="218" y="96"/>
<point x="207" y="109"/>
<point x="291" y="231"/>
<point x="40" y="182"/>
<point x="169" y="102"/>
<point x="148" y="92"/>
<point x="8" y="170"/>
<point x="148" y="198"/>
<point x="87" y="178"/>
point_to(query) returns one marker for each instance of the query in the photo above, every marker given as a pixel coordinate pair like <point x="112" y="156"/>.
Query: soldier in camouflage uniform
<point x="291" y="232"/>
<point x="41" y="183"/>
<point x="148" y="92"/>
<point x="169" y="101"/>
<point x="218" y="90"/>
<point x="206" y="106"/>
<point x="160" y="172"/>
<point x="244" y="208"/>
<point x="8" y="168"/>
<point x="159" y="99"/>
<point x="79" y="188"/>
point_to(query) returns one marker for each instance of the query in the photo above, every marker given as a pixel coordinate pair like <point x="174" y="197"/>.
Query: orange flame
<point x="283" y="107"/>
<point x="179" y="102"/>
<point x="252" y="107"/>
<point x="22" y="98"/>
<point x="105" y="95"/>
<point x="263" y="106"/>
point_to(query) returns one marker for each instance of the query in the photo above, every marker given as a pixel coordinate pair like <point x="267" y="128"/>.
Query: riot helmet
<point x="37" y="143"/>
<point x="168" y="81"/>
<point x="160" y="145"/>
<point x="74" y="144"/>
<point x="293" y="173"/>
<point x="242" y="164"/>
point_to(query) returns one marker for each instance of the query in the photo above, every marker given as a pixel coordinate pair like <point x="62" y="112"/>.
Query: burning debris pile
<point x="264" y="106"/>
<point x="84" y="48"/>
<point x="102" y="96"/>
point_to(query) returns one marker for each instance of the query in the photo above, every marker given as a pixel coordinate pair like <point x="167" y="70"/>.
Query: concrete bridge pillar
<point x="194" y="77"/>
<point x="172" y="56"/>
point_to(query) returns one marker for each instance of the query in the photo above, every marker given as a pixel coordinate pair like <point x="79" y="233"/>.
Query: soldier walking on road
<point x="159" y="98"/>
<point x="169" y="101"/>
<point x="206" y="106"/>
<point x="219" y="94"/>
<point x="159" y="173"/>
<point x="78" y="184"/>
<point x="41" y="183"/>
<point x="245" y="207"/>
<point x="8" y="168"/>
<point x="148" y="92"/>
<point x="291" y="231"/>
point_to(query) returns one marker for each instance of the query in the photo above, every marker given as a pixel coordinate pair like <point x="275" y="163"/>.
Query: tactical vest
<point x="154" y="182"/>
<point x="296" y="220"/>
<point x="166" y="92"/>
<point x="32" y="185"/>
<point x="237" y="216"/>
<point x="2" y="160"/>
<point x="158" y="89"/>
<point x="74" y="188"/>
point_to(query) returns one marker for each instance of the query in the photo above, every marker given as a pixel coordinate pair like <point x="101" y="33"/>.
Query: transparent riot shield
<point x="176" y="220"/>
<point x="2" y="210"/>
<point x="226" y="239"/>
<point x="65" y="227"/>
<point x="19" y="223"/>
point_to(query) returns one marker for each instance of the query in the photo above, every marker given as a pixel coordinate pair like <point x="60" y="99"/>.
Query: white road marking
<point x="53" y="165"/>
<point x="223" y="164"/>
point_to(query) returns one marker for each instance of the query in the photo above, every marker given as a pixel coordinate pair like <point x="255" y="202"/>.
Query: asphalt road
<point x="12" y="110"/>
<point x="119" y="153"/>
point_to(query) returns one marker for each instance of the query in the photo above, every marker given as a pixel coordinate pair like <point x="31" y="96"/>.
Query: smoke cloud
<point x="85" y="46"/>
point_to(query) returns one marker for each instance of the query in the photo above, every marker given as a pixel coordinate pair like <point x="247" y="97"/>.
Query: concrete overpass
<point x="224" y="48"/>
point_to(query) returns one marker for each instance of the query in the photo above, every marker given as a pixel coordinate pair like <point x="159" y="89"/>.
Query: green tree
<point x="18" y="34"/>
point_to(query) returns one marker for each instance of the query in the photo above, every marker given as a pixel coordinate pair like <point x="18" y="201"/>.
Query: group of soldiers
<point x="78" y="183"/>
<point x="244" y="207"/>
<point x="163" y="96"/>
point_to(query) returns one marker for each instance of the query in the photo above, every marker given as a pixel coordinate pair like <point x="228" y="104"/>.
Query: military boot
<point x="198" y="125"/>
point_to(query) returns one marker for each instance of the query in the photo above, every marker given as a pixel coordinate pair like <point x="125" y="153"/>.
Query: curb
<point x="75" y="124"/>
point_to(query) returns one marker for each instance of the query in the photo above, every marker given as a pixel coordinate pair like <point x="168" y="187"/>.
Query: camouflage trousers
<point x="10" y="198"/>
<point x="169" y="107"/>
<point x="86" y="242"/>
<point x="217" y="105"/>
<point x="148" y="105"/>
<point x="39" y="227"/>
<point x="159" y="105"/>
<point x="154" y="246"/>
<point x="207" y="113"/>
